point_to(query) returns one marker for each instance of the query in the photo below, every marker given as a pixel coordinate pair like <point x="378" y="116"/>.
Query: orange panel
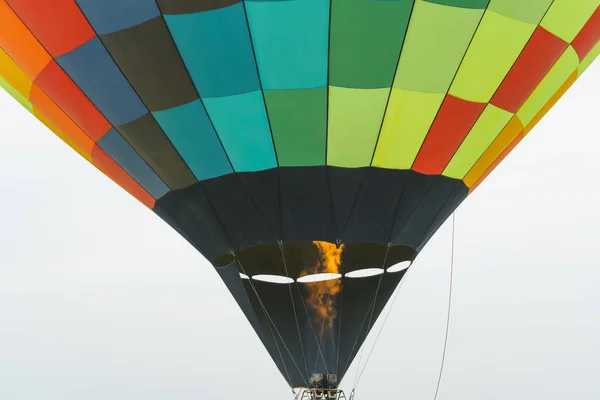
<point x="58" y="24"/>
<point x="48" y="108"/>
<point x="502" y="141"/>
<point x="589" y="36"/>
<point x="61" y="135"/>
<point x="110" y="168"/>
<point x="20" y="44"/>
<point x="550" y="103"/>
<point x="498" y="160"/>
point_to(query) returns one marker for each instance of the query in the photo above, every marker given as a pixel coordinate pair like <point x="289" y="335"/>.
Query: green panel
<point x="589" y="59"/>
<point x="354" y="120"/>
<point x="436" y="42"/>
<point x="565" y="18"/>
<point x="463" y="3"/>
<point x="407" y="120"/>
<point x="298" y="122"/>
<point x="365" y="41"/>
<point x="495" y="48"/>
<point x="560" y="72"/>
<point x="17" y="96"/>
<point x="483" y="133"/>
<point x="530" y="11"/>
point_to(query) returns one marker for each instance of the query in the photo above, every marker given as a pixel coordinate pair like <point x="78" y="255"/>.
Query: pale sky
<point x="100" y="299"/>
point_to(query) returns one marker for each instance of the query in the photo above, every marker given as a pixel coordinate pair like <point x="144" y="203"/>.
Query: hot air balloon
<point x="308" y="149"/>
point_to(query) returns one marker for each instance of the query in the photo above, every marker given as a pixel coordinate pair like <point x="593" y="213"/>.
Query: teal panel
<point x="242" y="125"/>
<point x="291" y="41"/>
<point x="217" y="50"/>
<point x="366" y="38"/>
<point x="299" y="123"/>
<point x="192" y="134"/>
<point x="481" y="4"/>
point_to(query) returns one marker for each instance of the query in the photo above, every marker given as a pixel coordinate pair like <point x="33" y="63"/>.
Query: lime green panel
<point x="530" y="11"/>
<point x="589" y="59"/>
<point x="559" y="73"/>
<point x="298" y="122"/>
<point x="496" y="46"/>
<point x="365" y="41"/>
<point x="565" y="18"/>
<point x="488" y="126"/>
<point x="17" y="96"/>
<point x="436" y="41"/>
<point x="407" y="121"/>
<point x="354" y="120"/>
<point x="462" y="3"/>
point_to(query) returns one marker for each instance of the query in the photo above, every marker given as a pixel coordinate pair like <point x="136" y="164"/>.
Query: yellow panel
<point x="559" y="73"/>
<point x="493" y="51"/>
<point x="589" y="59"/>
<point x="550" y="103"/>
<point x="565" y="18"/>
<point x="14" y="75"/>
<point x="504" y="139"/>
<point x="437" y="38"/>
<point x="61" y="135"/>
<point x="407" y="121"/>
<point x="16" y="95"/>
<point x="354" y="120"/>
<point x="488" y="126"/>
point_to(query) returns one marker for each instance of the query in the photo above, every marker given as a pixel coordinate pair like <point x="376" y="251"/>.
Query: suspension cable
<point x="294" y="308"/>
<point x="380" y="330"/>
<point x="274" y="326"/>
<point x="437" y="389"/>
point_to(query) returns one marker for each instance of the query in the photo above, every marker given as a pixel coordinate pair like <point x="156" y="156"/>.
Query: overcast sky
<point x="100" y="299"/>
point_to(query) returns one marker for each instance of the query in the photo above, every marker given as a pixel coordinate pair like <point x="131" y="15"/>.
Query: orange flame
<point x="322" y="294"/>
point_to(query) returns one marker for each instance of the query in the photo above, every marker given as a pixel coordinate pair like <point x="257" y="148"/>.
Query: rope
<point x="274" y="326"/>
<point x="294" y="308"/>
<point x="337" y="356"/>
<point x="319" y="344"/>
<point x="362" y="350"/>
<point x="371" y="316"/>
<point x="449" y="309"/>
<point x="380" y="330"/>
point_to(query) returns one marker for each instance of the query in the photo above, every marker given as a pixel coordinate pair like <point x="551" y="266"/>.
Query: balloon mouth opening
<point x="317" y="261"/>
<point x="401" y="266"/>
<point x="321" y="277"/>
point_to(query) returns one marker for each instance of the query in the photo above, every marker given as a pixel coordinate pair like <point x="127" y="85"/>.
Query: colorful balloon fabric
<point x="261" y="129"/>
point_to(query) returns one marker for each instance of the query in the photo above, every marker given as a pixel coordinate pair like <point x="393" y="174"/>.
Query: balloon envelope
<point x="297" y="137"/>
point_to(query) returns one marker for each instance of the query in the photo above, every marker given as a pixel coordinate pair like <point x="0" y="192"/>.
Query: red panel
<point x="111" y="169"/>
<point x="498" y="160"/>
<point x="52" y="112"/>
<point x="453" y="122"/>
<point x="65" y="93"/>
<point x="588" y="37"/>
<point x="538" y="57"/>
<point x="58" y="24"/>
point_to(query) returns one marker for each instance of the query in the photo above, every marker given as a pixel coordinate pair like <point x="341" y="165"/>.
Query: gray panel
<point x="148" y="139"/>
<point x="192" y="6"/>
<point x="151" y="62"/>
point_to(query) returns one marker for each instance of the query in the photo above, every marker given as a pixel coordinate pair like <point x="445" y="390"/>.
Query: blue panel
<point x="242" y="125"/>
<point x="291" y="40"/>
<point x="216" y="48"/>
<point x="108" y="16"/>
<point x="115" y="146"/>
<point x="94" y="71"/>
<point x="192" y="134"/>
